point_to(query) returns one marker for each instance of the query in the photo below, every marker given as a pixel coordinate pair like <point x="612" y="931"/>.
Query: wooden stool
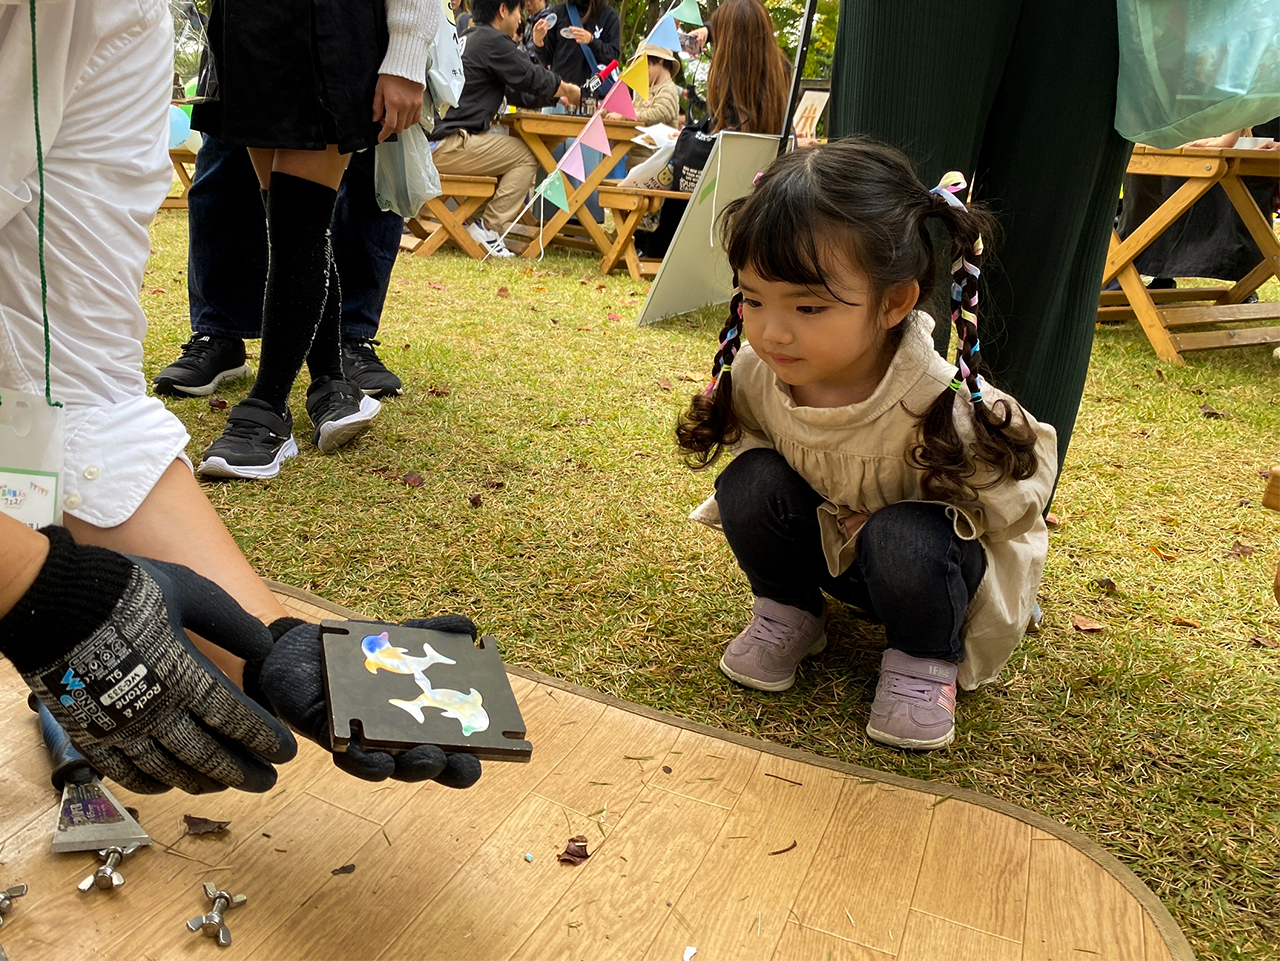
<point x="180" y="158"/>
<point x="436" y="223"/>
<point x="630" y="205"/>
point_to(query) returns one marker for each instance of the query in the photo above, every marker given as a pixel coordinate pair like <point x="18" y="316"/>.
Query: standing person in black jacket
<point x="594" y="44"/>
<point x="494" y="67"/>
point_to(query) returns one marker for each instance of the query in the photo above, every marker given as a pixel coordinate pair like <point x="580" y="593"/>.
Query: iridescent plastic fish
<point x="465" y="708"/>
<point x="378" y="653"/>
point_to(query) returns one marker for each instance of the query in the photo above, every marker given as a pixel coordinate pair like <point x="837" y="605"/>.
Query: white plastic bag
<point x="654" y="173"/>
<point x="444" y="66"/>
<point x="1196" y="68"/>
<point x="404" y="176"/>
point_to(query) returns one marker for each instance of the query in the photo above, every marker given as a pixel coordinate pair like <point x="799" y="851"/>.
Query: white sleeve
<point x="412" y="25"/>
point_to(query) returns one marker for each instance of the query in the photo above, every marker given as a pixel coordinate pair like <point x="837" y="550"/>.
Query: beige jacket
<point x="855" y="457"/>
<point x="663" y="105"/>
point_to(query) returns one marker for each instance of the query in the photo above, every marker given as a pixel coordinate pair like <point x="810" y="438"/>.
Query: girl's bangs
<point x="768" y="235"/>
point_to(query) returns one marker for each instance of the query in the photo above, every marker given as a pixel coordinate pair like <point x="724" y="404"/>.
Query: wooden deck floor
<point x="698" y="839"/>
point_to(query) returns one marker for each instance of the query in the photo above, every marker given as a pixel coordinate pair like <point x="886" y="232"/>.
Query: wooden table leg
<point x="451" y="225"/>
<point x="1179" y="203"/>
<point x="576" y="201"/>
<point x="1144" y="308"/>
<point x="1263" y="235"/>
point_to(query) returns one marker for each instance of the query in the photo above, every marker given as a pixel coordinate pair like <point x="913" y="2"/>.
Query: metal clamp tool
<point x="6" y="899"/>
<point x="212" y="923"/>
<point x="107" y="877"/>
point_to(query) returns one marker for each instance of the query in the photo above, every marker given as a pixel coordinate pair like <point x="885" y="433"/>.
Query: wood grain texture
<point x="867" y="864"/>
<point x="975" y="869"/>
<point x="740" y="898"/>
<point x="1074" y="910"/>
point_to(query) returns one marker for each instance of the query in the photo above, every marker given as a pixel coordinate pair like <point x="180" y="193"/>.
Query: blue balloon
<point x="179" y="127"/>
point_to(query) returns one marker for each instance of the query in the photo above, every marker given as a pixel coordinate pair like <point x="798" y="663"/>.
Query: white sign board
<point x="695" y="272"/>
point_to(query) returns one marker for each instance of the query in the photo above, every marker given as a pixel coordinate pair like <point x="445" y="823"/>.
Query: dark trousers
<point x="911" y="571"/>
<point x="227" y="254"/>
<point x="1022" y="94"/>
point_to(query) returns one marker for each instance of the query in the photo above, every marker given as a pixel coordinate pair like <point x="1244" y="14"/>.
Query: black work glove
<point x="291" y="680"/>
<point x="99" y="638"/>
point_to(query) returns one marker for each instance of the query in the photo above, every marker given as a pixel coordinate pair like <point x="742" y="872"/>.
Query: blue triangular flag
<point x="665" y="34"/>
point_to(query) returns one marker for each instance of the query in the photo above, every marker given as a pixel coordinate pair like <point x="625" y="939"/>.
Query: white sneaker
<point x="488" y="234"/>
<point x="488" y="239"/>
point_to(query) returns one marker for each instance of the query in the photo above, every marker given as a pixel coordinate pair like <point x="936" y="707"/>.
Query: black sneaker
<point x="362" y="367"/>
<point x="339" y="411"/>
<point x="206" y="361"/>
<point x="253" y="445"/>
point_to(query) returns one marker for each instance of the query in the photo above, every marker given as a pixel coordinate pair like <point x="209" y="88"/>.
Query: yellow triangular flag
<point x="636" y="77"/>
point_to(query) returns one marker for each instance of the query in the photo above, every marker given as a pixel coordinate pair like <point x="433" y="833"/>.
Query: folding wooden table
<point x="181" y="158"/>
<point x="542" y="132"/>
<point x="1164" y="314"/>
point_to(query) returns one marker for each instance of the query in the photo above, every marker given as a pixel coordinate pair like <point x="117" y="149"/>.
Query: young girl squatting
<point x="868" y="467"/>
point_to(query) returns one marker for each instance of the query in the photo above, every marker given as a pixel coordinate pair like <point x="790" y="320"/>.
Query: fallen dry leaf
<point x="132" y="812"/>
<point x="196" y="825"/>
<point x="495" y="485"/>
<point x="1259" y="641"/>
<point x="217" y="403"/>
<point x="1086" y="624"/>
<point x="1240" y="551"/>
<point x="1185" y="622"/>
<point x="664" y="383"/>
<point x="345" y="869"/>
<point x="504" y="292"/>
<point x="1159" y="374"/>
<point x="575" y="851"/>
<point x="413" y="479"/>
<point x="1163" y="555"/>
<point x="475" y="500"/>
<point x="158" y="290"/>
<point x="1052" y="519"/>
<point x="612" y="316"/>
<point x="1105" y="584"/>
<point x="436" y="390"/>
<point x="1207" y="411"/>
<point x="434" y="285"/>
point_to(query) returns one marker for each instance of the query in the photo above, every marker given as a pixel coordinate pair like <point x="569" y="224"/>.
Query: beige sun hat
<point x="652" y="50"/>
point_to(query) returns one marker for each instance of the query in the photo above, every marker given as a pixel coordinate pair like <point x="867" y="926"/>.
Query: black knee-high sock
<point x="298" y="216"/>
<point x="324" y="359"/>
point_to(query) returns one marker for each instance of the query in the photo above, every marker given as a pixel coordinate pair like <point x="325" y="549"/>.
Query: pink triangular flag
<point x="593" y="135"/>
<point x="619" y="101"/>
<point x="572" y="163"/>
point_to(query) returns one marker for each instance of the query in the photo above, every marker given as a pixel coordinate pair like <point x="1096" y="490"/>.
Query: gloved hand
<point x="291" y="680"/>
<point x="99" y="638"/>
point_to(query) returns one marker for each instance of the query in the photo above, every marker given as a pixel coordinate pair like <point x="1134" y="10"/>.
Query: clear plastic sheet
<point x="1196" y="68"/>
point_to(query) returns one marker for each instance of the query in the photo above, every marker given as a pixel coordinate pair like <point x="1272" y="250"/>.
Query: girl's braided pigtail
<point x="1002" y="444"/>
<point x="710" y="425"/>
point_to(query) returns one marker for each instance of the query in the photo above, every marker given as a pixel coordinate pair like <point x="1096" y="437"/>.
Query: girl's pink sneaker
<point x="915" y="705"/>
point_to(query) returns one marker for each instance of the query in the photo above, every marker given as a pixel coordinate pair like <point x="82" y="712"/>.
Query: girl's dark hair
<point x="860" y="202"/>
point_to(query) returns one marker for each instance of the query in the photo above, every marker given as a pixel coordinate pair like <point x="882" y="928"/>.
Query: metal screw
<point x="107" y="877"/>
<point x="6" y="899"/>
<point x="211" y="923"/>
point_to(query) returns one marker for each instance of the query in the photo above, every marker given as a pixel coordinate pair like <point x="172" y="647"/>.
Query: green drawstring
<point x="44" y="283"/>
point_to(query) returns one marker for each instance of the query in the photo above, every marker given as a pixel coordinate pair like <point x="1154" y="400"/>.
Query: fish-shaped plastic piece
<point x="468" y="709"/>
<point x="378" y="653"/>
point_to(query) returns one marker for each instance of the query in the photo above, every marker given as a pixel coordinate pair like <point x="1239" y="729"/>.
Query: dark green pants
<point x="1021" y="95"/>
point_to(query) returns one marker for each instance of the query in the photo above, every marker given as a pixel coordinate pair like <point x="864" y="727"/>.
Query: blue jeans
<point x="227" y="255"/>
<point x="911" y="571"/>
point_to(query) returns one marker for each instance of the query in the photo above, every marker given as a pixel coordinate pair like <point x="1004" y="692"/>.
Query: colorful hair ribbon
<point x="964" y="294"/>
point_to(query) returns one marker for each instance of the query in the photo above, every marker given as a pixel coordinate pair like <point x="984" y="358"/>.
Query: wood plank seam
<point x="970" y="927"/>
<point x="794" y="919"/>
<point x="667" y="790"/>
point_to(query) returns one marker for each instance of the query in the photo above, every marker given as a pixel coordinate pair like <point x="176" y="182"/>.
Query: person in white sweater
<point x="868" y="467"/>
<point x="303" y="84"/>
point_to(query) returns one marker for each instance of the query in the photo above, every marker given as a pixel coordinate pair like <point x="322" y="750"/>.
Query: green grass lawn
<point x="553" y="513"/>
